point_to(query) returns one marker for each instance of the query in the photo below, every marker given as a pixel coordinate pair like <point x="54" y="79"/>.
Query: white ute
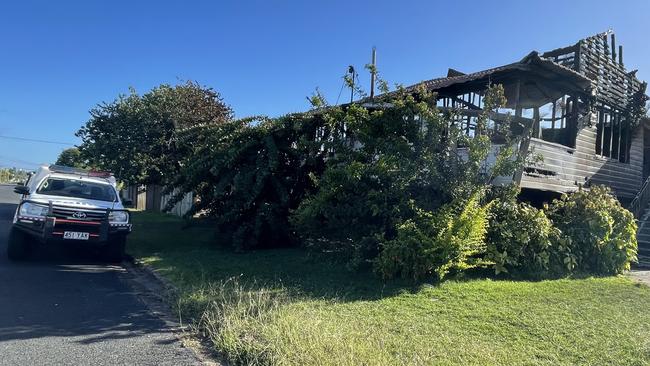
<point x="70" y="206"/>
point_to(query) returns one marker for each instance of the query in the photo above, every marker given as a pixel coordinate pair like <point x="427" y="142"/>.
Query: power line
<point x="36" y="140"/>
<point x="9" y="158"/>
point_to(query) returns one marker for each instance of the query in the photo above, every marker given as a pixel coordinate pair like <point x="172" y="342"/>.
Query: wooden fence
<point x="150" y="198"/>
<point x="181" y="207"/>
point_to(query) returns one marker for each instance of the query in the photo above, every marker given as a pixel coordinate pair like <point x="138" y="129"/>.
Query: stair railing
<point x="641" y="199"/>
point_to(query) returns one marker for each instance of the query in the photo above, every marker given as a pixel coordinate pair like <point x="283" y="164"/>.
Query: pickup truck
<point x="69" y="206"/>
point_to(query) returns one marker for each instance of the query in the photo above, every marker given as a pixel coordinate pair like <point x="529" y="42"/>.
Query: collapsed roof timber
<point x="583" y="109"/>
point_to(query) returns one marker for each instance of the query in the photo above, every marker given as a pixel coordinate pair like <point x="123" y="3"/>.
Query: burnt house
<point x="582" y="112"/>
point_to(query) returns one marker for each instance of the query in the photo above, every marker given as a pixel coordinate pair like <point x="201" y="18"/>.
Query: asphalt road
<point x="69" y="310"/>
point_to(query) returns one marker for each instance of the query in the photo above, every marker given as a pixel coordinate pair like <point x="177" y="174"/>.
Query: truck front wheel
<point x="18" y="245"/>
<point x="114" y="251"/>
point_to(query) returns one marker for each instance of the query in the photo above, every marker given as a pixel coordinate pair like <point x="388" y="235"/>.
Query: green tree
<point x="71" y="157"/>
<point x="136" y="136"/>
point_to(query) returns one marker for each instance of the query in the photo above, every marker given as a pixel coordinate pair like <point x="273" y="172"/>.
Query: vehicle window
<point x="77" y="188"/>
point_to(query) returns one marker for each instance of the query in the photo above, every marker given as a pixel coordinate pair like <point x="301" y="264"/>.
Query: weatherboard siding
<point x="564" y="169"/>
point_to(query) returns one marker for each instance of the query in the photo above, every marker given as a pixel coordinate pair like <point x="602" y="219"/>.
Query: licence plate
<point x="74" y="235"/>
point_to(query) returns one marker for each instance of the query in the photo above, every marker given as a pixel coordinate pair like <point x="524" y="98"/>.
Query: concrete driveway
<point x="69" y="310"/>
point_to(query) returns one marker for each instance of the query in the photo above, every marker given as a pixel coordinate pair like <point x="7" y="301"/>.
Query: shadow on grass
<point x="305" y="274"/>
<point x="190" y="256"/>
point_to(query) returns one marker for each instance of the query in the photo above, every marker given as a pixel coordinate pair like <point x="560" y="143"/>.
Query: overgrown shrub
<point x="602" y="232"/>
<point x="452" y="238"/>
<point x="357" y="205"/>
<point x="521" y="240"/>
<point x="248" y="174"/>
<point x="390" y="162"/>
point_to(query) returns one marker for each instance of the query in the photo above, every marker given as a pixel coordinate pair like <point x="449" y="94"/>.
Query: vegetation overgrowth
<point x="396" y="185"/>
<point x="392" y="183"/>
<point x="295" y="307"/>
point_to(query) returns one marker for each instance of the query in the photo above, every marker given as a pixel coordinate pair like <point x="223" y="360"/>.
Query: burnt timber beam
<point x="560" y="51"/>
<point x="495" y="116"/>
<point x="466" y="103"/>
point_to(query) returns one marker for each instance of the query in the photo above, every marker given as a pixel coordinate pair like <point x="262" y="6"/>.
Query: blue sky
<point x="60" y="58"/>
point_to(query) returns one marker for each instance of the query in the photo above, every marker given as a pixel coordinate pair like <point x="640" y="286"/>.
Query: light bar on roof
<point x="79" y="171"/>
<point x="100" y="174"/>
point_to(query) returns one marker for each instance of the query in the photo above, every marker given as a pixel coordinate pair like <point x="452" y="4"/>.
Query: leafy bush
<point x="602" y="232"/>
<point x="435" y="243"/>
<point x="404" y="157"/>
<point x="248" y="175"/>
<point x="522" y="240"/>
<point x="357" y="205"/>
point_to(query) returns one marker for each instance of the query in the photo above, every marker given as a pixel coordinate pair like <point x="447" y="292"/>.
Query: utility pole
<point x="372" y="72"/>
<point x="351" y="72"/>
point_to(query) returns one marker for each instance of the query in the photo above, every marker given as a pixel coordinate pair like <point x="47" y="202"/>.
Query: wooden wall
<point x="563" y="169"/>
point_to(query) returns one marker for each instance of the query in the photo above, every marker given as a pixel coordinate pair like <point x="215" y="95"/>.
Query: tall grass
<point x="457" y="323"/>
<point x="259" y="325"/>
<point x="233" y="316"/>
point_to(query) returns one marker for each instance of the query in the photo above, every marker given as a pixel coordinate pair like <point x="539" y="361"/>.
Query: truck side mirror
<point x="127" y="202"/>
<point x="21" y="189"/>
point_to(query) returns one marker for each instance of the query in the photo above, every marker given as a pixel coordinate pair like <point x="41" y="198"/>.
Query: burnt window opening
<point x="557" y="121"/>
<point x="460" y="107"/>
<point x="613" y="138"/>
<point x="466" y="109"/>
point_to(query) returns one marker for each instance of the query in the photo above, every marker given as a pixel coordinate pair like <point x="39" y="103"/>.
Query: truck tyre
<point x="18" y="245"/>
<point x="114" y="251"/>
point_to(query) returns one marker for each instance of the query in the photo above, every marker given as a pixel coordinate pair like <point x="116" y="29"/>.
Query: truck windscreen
<point x="77" y="189"/>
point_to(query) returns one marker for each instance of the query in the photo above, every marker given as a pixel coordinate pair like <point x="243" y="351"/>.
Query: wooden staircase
<point x="640" y="207"/>
<point x="643" y="238"/>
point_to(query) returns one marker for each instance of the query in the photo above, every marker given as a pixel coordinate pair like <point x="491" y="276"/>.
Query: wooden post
<point x="601" y="122"/>
<point x="553" y="116"/>
<point x="525" y="140"/>
<point x="536" y="125"/>
<point x="614" y="144"/>
<point x="620" y="55"/>
<point x="564" y="112"/>
<point x="620" y="136"/>
<point x="611" y="134"/>
<point x="572" y="131"/>
<point x="517" y="98"/>
<point x="628" y="139"/>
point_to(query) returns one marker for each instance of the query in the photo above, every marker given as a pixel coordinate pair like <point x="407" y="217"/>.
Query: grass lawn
<point x="289" y="307"/>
